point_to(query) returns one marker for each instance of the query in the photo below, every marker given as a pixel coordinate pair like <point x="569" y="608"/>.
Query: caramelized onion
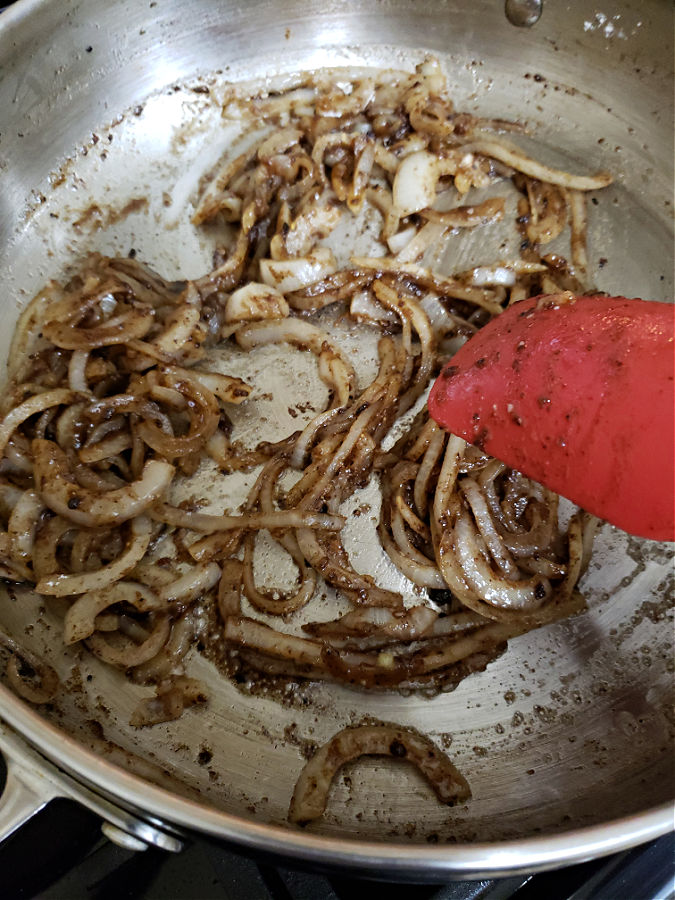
<point x="312" y="787"/>
<point x="515" y="158"/>
<point x="80" y="620"/>
<point x="30" y="407"/>
<point x="172" y="695"/>
<point x="61" y="492"/>
<point x="116" y="401"/>
<point x="29" y="676"/>
<point x="61" y="585"/>
<point x="118" y="330"/>
<point x="131" y="654"/>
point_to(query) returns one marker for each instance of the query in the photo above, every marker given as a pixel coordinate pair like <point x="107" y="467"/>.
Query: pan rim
<point x="465" y="860"/>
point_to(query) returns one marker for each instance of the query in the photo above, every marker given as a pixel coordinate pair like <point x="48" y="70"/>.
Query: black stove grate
<point x="59" y="855"/>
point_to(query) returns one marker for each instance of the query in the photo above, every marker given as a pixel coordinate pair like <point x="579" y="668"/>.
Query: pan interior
<point x="573" y="725"/>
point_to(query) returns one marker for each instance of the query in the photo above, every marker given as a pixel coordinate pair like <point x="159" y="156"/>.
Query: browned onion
<point x="28" y="675"/>
<point x="310" y="795"/>
<point x="112" y="408"/>
<point x="172" y="695"/>
<point x="61" y="585"/>
<point x="118" y="330"/>
<point x="61" y="493"/>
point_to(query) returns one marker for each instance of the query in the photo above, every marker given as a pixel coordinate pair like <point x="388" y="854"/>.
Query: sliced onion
<point x="486" y="526"/>
<point x="374" y="621"/>
<point x="576" y="201"/>
<point x="169" y="657"/>
<point x="80" y="620"/>
<point x="441" y="284"/>
<point x="281" y="518"/>
<point x="519" y="161"/>
<point x="173" y="695"/>
<point x="210" y="202"/>
<point x="133" y="324"/>
<point x="308" y="436"/>
<point x="312" y="787"/>
<point x="178" y="329"/>
<point x="33" y="405"/>
<point x="420" y="573"/>
<point x="77" y="368"/>
<point x="338" y="372"/>
<point x="197" y="581"/>
<point x="224" y="387"/>
<point x="229" y="589"/>
<point x="360" y="588"/>
<point x="484" y="213"/>
<point x="415" y="183"/>
<point x="253" y="302"/>
<point x="132" y="654"/>
<point x="527" y="594"/>
<point x="316" y="221"/>
<point x="204" y="417"/>
<point x="22" y="526"/>
<point x="106" y="448"/>
<point x="250" y="633"/>
<point x="276" y="603"/>
<point x="293" y="274"/>
<point x="28" y="675"/>
<point x="59" y="585"/>
<point x="400" y="239"/>
<point x="60" y="492"/>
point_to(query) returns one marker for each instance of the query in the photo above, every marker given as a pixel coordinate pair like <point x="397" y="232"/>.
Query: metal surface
<point x="566" y="739"/>
<point x="33" y="781"/>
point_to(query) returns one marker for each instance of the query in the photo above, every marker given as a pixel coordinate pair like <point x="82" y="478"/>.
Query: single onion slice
<point x="311" y="790"/>
<point x="28" y="675"/>
<point x="172" y="696"/>
<point x="514" y="157"/>
<point x="225" y="387"/>
<point x="195" y="582"/>
<point x="132" y="653"/>
<point x="293" y="274"/>
<point x="207" y="523"/>
<point x="22" y="525"/>
<point x="415" y="182"/>
<point x="180" y="325"/>
<point x="250" y="633"/>
<point x="229" y="588"/>
<point x="377" y="621"/>
<point x="77" y="371"/>
<point x="253" y="302"/>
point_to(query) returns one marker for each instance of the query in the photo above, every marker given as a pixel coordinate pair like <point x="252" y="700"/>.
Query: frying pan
<point x="109" y="116"/>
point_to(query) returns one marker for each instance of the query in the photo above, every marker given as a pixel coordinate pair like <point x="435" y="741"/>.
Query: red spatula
<point x="577" y="393"/>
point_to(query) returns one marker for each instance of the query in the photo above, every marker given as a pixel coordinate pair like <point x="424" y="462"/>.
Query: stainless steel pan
<point x="567" y="738"/>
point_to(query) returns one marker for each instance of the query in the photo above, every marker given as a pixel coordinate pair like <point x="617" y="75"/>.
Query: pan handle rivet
<point x="523" y="13"/>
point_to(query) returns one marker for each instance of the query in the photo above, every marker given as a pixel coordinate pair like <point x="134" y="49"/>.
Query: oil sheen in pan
<point x="567" y="713"/>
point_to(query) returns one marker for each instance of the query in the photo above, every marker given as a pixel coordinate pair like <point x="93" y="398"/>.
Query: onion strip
<point x="311" y="790"/>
